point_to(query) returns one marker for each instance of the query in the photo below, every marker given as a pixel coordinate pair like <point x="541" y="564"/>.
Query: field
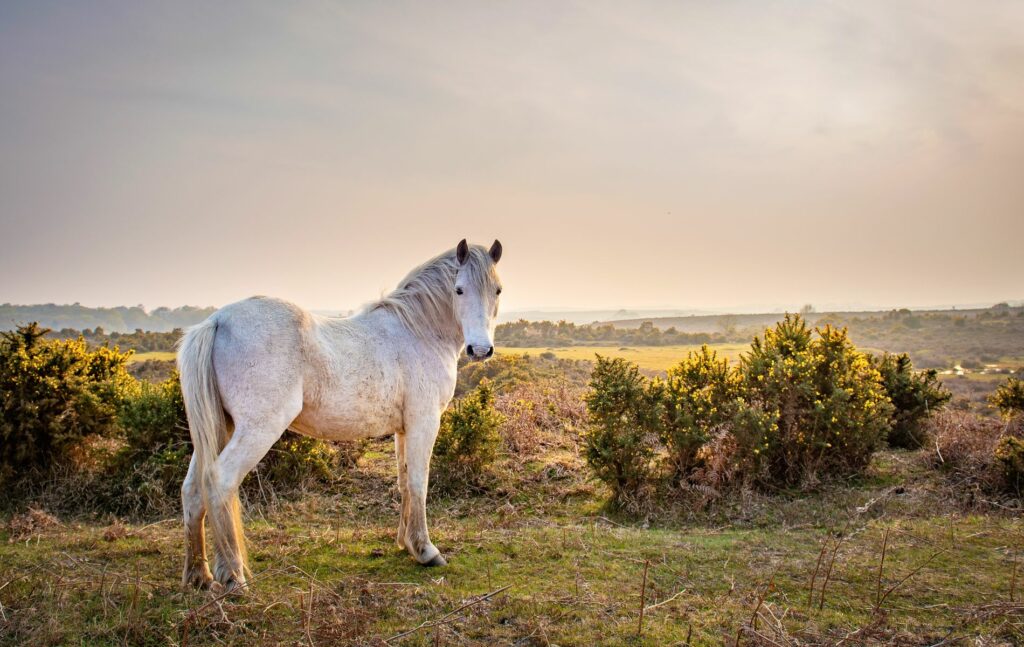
<point x="163" y="356"/>
<point x="539" y="561"/>
<point x="654" y="358"/>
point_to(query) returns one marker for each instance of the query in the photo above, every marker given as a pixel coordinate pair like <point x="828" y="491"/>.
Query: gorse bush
<point x="914" y="396"/>
<point x="468" y="441"/>
<point x="829" y="407"/>
<point x="1009" y="397"/>
<point x="1009" y="453"/>
<point x="799" y="407"/>
<point x="54" y="395"/>
<point x="700" y="395"/>
<point x="154" y="458"/>
<point x="626" y="414"/>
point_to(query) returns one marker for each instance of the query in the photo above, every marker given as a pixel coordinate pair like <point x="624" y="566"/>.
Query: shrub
<point x="152" y="462"/>
<point x="1009" y="453"/>
<point x="625" y="413"/>
<point x="1009" y="397"/>
<point x="296" y="462"/>
<point x="981" y="456"/>
<point x="53" y="395"/>
<point x="700" y="396"/>
<point x="820" y="405"/>
<point x="914" y="396"/>
<point x="507" y="371"/>
<point x="468" y="440"/>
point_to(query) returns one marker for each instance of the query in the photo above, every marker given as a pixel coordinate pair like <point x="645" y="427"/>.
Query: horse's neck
<point x="446" y="337"/>
<point x="442" y="338"/>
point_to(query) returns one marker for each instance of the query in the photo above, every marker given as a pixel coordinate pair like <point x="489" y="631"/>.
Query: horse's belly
<point x="353" y="422"/>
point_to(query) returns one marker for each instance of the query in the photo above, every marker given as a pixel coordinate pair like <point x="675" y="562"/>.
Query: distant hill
<point x="120" y="319"/>
<point x="724" y="323"/>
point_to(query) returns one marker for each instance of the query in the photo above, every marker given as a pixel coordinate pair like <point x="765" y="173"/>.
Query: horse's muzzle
<point x="479" y="352"/>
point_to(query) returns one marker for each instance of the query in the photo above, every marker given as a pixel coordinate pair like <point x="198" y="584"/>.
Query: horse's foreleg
<point x="419" y="443"/>
<point x="197" y="570"/>
<point x="403" y="487"/>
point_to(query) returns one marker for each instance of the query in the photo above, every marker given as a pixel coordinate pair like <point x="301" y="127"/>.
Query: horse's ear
<point x="496" y="251"/>
<point x="462" y="252"/>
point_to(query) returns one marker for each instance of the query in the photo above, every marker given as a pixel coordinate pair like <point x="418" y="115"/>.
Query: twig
<point x="309" y="611"/>
<point x="828" y="573"/>
<point x="817" y="567"/>
<point x="194" y="613"/>
<point x="665" y="601"/>
<point x="881" y="564"/>
<point x="760" y="600"/>
<point x="443" y="619"/>
<point x="643" y="594"/>
<point x="910" y="575"/>
<point x="1013" y="580"/>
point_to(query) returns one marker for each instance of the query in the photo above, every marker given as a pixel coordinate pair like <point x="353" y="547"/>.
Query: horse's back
<point x="258" y="352"/>
<point x="268" y="351"/>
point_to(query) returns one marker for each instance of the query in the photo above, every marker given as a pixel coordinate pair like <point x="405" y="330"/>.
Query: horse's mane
<point x="424" y="300"/>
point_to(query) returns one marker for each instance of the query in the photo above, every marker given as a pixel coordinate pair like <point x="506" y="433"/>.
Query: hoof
<point x="230" y="587"/>
<point x="431" y="556"/>
<point x="198" y="578"/>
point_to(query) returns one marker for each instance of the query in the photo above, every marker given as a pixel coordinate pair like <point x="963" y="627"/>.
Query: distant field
<point x="655" y="358"/>
<point x="156" y="354"/>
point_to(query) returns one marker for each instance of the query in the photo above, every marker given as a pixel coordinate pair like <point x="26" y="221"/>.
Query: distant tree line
<point x="141" y="341"/>
<point x="524" y="333"/>
<point x="119" y="319"/>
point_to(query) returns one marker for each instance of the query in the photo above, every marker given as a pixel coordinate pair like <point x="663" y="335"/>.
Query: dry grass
<point x="541" y="415"/>
<point x="963" y="449"/>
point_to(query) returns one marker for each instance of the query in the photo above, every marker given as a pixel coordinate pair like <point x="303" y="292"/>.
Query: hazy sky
<point x="705" y="154"/>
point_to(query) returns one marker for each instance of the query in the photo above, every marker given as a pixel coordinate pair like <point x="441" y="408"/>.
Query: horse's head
<point x="476" y="296"/>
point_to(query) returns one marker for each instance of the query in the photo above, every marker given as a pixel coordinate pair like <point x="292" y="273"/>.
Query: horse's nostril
<point x="490" y="351"/>
<point x="469" y="349"/>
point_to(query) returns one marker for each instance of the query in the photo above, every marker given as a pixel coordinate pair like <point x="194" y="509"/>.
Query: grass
<point x="655" y="358"/>
<point x="326" y="570"/>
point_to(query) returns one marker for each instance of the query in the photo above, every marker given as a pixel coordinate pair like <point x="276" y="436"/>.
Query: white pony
<point x="260" y="366"/>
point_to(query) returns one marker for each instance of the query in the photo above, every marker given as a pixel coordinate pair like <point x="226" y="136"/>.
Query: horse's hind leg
<point x="403" y="487"/>
<point x="197" y="570"/>
<point x="250" y="442"/>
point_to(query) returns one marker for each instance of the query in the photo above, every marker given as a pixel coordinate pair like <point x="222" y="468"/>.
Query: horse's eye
<point x="458" y="290"/>
<point x="499" y="291"/>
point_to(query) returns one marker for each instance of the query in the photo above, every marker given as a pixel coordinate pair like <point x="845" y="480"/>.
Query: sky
<point x="706" y="155"/>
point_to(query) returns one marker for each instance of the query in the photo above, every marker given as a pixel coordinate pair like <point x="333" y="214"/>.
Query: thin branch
<point x="643" y="594"/>
<point x="445" y="618"/>
<point x="911" y="574"/>
<point x="881" y="564"/>
<point x="665" y="601"/>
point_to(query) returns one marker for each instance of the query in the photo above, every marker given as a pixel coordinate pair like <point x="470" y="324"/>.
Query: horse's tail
<point x="208" y="427"/>
<point x="206" y="421"/>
